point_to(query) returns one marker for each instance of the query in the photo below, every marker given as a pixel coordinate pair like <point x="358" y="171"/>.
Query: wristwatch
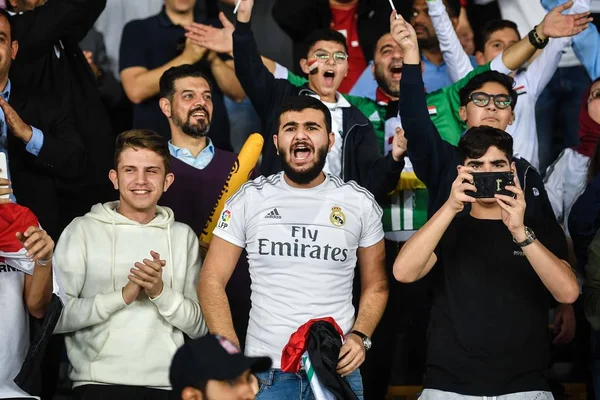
<point x="530" y="238"/>
<point x="535" y="40"/>
<point x="367" y="343"/>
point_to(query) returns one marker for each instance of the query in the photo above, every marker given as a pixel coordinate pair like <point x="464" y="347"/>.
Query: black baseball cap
<point x="211" y="357"/>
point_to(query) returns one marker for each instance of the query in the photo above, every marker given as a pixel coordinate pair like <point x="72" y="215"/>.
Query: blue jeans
<point x="276" y="384"/>
<point x="557" y="110"/>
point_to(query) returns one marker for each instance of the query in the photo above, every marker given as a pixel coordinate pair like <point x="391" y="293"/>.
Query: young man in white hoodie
<point x="130" y="274"/>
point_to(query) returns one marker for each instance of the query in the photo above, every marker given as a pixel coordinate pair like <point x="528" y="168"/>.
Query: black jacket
<point x="434" y="160"/>
<point x="298" y="18"/>
<point x="60" y="25"/>
<point x="361" y="158"/>
<point x="37" y="181"/>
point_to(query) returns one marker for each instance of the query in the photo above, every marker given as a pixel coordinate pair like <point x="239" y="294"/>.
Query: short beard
<point x="306" y="176"/>
<point x="196" y="131"/>
<point x="385" y="85"/>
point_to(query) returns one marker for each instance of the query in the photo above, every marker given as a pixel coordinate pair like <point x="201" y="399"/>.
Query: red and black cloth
<point x="322" y="338"/>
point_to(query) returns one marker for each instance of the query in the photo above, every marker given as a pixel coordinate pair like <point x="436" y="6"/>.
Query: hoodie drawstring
<point x="112" y="255"/>
<point x="170" y="254"/>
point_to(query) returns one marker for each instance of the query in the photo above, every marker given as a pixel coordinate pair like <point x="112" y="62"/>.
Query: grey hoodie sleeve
<point x="182" y="310"/>
<point x="80" y="312"/>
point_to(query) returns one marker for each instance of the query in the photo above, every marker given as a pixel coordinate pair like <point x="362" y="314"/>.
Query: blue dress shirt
<point x="200" y="162"/>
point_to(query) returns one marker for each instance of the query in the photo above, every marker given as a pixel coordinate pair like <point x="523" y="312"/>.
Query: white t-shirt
<point x="14" y="317"/>
<point x="301" y="246"/>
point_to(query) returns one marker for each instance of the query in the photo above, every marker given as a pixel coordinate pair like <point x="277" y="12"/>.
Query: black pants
<point x="119" y="392"/>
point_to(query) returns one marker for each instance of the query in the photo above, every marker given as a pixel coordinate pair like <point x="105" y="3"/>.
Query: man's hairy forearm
<point x="373" y="300"/>
<point x="215" y="308"/>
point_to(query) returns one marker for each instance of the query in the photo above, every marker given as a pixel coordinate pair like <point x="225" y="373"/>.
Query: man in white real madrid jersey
<point x="304" y="232"/>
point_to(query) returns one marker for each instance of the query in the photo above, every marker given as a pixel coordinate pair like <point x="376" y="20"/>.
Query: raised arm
<point x="39" y="29"/>
<point x="429" y="154"/>
<point x="553" y="25"/>
<point x="258" y="83"/>
<point x="586" y="44"/>
<point x="541" y="70"/>
<point x="458" y="62"/>
<point x="219" y="40"/>
<point x="417" y="256"/>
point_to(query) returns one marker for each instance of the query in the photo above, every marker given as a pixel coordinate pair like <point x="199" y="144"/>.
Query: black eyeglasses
<point x="482" y="99"/>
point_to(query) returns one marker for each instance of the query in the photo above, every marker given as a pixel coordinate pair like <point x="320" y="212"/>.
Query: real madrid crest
<point x="337" y="217"/>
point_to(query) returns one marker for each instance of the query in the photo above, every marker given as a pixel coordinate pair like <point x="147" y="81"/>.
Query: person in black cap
<point x="211" y="367"/>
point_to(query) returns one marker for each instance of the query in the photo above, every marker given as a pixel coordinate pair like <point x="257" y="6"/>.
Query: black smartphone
<point x="490" y="183"/>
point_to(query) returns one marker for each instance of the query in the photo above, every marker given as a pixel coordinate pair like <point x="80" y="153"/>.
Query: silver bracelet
<point x="43" y="263"/>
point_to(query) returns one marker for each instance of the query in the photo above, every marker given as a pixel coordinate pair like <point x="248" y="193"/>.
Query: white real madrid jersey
<point x="301" y="246"/>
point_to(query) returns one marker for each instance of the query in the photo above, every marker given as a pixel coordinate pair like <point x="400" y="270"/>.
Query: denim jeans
<point x="557" y="110"/>
<point x="276" y="384"/>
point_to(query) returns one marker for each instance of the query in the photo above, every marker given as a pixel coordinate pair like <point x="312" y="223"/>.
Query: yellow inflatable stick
<point x="409" y="181"/>
<point x="240" y="173"/>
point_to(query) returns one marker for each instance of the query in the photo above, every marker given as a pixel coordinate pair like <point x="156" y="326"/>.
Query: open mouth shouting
<point x="396" y="71"/>
<point x="329" y="77"/>
<point x="301" y="153"/>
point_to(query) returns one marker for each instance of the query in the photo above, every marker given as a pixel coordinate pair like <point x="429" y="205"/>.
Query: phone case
<point x="489" y="184"/>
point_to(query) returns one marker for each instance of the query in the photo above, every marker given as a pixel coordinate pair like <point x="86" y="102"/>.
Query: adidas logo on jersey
<point x="273" y="214"/>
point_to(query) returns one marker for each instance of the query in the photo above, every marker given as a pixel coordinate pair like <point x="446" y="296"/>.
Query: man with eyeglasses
<point x="360" y="21"/>
<point x="487" y="98"/>
<point x="355" y="154"/>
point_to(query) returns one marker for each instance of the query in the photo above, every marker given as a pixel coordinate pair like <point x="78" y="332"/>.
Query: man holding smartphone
<point x="488" y="329"/>
<point x="486" y="99"/>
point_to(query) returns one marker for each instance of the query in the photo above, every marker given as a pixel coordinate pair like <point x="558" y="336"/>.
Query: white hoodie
<point x="107" y="341"/>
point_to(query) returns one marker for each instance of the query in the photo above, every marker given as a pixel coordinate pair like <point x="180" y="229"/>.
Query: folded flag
<point x="15" y="218"/>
